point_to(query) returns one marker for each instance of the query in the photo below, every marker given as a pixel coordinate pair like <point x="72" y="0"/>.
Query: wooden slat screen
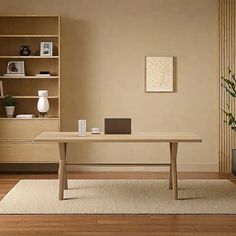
<point x="227" y="60"/>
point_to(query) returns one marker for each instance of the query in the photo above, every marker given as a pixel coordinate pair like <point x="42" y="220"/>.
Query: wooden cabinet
<point x="25" y="129"/>
<point x="24" y="152"/>
<point x="16" y="135"/>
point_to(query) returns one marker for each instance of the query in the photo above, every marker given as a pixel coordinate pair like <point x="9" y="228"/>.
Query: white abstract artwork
<point x="159" y="74"/>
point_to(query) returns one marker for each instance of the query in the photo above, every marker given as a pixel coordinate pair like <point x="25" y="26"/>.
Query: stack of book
<point x="43" y="73"/>
<point x="25" y="116"/>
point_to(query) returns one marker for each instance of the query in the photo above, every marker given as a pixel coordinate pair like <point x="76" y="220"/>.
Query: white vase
<point x="10" y="111"/>
<point x="43" y="104"/>
<point x="82" y="127"/>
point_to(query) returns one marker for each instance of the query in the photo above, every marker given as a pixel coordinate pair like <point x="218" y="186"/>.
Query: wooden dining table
<point x="172" y="138"/>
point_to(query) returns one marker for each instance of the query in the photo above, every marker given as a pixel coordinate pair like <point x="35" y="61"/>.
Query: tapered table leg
<point x="173" y="161"/>
<point x="170" y="178"/>
<point x="65" y="171"/>
<point x="62" y="162"/>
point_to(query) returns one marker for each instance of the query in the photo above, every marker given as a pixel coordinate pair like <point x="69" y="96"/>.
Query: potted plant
<point x="9" y="103"/>
<point x="229" y="83"/>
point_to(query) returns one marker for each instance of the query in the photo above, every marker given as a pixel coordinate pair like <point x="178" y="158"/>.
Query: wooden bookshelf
<point x="16" y="136"/>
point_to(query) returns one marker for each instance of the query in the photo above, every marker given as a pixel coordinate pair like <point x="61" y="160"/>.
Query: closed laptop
<point x="117" y="125"/>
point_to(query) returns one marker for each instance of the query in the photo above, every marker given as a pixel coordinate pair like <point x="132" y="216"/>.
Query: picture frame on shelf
<point x="15" y="68"/>
<point x="1" y="89"/>
<point x="46" y="49"/>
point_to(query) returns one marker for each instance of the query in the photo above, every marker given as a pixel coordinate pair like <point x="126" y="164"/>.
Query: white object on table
<point x="95" y="131"/>
<point x="82" y="127"/>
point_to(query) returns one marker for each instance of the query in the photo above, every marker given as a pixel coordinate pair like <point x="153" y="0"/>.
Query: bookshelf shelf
<point x="29" y="77"/>
<point x="29" y="36"/>
<point x="35" y="118"/>
<point x="29" y="57"/>
<point x="32" y="97"/>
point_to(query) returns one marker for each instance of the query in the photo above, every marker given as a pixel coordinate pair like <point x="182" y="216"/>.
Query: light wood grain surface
<point x="134" y="137"/>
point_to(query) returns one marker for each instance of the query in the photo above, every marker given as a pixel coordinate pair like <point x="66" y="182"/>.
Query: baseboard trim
<point x="53" y="167"/>
<point x="29" y="167"/>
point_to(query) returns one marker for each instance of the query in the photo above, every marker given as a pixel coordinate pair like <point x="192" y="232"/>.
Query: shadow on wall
<point x="76" y="44"/>
<point x="175" y="78"/>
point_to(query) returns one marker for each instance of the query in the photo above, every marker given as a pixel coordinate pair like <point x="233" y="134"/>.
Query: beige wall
<point x="104" y="44"/>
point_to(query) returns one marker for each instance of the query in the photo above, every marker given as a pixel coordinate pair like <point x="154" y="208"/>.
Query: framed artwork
<point x="46" y="49"/>
<point x="15" y="68"/>
<point x="159" y="74"/>
<point x="1" y="89"/>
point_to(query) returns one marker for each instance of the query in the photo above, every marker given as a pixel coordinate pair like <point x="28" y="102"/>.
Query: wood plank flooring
<point x="115" y="225"/>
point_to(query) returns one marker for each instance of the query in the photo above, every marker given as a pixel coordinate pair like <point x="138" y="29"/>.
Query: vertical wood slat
<point x="226" y="60"/>
<point x="220" y="90"/>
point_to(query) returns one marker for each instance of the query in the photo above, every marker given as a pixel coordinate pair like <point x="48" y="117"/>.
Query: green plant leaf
<point x="229" y="82"/>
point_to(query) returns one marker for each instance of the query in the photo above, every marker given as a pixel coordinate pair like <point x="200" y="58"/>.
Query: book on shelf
<point x="25" y="116"/>
<point x="43" y="75"/>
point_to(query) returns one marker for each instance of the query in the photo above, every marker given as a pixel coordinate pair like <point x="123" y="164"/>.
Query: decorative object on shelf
<point x="82" y="127"/>
<point x="25" y="51"/>
<point x="9" y="103"/>
<point x="1" y="89"/>
<point x="46" y="49"/>
<point x="159" y="74"/>
<point x="43" y="104"/>
<point x="15" y="68"/>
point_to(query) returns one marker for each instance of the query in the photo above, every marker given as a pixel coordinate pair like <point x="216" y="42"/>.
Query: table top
<point x="68" y="137"/>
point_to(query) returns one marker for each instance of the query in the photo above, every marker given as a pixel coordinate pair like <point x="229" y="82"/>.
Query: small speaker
<point x="117" y="125"/>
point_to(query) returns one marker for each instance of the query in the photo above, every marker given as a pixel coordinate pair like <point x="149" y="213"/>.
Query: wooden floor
<point x="113" y="225"/>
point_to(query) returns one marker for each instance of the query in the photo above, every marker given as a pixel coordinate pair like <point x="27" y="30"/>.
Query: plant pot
<point x="10" y="111"/>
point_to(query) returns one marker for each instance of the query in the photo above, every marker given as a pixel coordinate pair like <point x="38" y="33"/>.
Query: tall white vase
<point x="43" y="104"/>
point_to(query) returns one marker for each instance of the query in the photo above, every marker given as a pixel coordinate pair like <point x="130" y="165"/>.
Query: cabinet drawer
<point x="25" y="129"/>
<point x="29" y="152"/>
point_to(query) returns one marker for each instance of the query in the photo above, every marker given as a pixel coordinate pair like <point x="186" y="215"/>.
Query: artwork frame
<point x="16" y="68"/>
<point x="46" y="49"/>
<point x="159" y="74"/>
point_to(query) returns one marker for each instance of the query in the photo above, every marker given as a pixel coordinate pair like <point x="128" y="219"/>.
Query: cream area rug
<point x="121" y="197"/>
